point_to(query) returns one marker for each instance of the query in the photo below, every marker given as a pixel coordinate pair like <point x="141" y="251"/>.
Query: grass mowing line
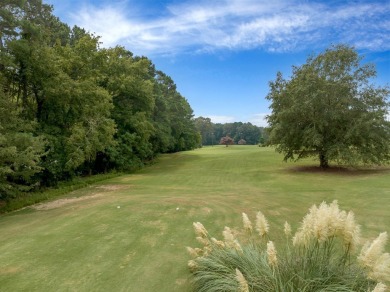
<point x="92" y="245"/>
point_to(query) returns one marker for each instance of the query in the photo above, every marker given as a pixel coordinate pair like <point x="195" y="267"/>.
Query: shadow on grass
<point x="339" y="170"/>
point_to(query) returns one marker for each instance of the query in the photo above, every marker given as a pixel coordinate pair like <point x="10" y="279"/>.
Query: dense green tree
<point x="183" y="131"/>
<point x="205" y="128"/>
<point x="20" y="151"/>
<point x="162" y="139"/>
<point x="250" y="133"/>
<point x="71" y="107"/>
<point x="329" y="109"/>
<point x="55" y="82"/>
<point x="218" y="130"/>
<point x="9" y="12"/>
<point x="76" y="115"/>
<point x="131" y="86"/>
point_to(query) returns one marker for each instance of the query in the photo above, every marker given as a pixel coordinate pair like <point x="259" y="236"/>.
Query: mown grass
<point x="92" y="245"/>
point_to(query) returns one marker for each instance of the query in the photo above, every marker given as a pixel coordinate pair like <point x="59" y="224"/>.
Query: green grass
<point x="92" y="245"/>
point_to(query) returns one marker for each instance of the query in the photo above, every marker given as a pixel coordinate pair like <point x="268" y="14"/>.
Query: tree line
<point x="212" y="133"/>
<point x="69" y="107"/>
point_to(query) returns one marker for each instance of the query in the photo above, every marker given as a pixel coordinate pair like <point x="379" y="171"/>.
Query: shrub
<point x="321" y="256"/>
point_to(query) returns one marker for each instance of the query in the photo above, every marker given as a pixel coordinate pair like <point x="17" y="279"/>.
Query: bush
<point x="321" y="256"/>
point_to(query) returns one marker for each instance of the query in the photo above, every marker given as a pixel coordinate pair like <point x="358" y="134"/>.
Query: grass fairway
<point x="129" y="233"/>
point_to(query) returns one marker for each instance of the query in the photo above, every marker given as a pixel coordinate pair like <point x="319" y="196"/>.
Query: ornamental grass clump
<point x="322" y="255"/>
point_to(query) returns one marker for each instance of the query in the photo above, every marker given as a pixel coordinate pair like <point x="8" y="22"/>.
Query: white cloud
<point x="259" y="120"/>
<point x="276" y="25"/>
<point x="256" y="119"/>
<point x="108" y="22"/>
<point x="222" y="119"/>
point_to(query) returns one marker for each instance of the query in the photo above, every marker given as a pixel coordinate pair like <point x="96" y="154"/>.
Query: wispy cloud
<point x="256" y="119"/>
<point x="259" y="120"/>
<point x="222" y="119"/>
<point x="278" y="25"/>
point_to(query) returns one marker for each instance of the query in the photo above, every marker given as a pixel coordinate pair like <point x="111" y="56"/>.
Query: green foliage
<point x="330" y="109"/>
<point x="97" y="109"/>
<point x="319" y="257"/>
<point x="180" y="115"/>
<point x="20" y="152"/>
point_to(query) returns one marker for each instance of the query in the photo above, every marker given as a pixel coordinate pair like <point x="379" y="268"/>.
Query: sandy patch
<point x="179" y="202"/>
<point x="63" y="202"/>
<point x="150" y="241"/>
<point x="274" y="213"/>
<point x="9" y="270"/>
<point x="180" y="282"/>
<point x="157" y="224"/>
<point x="133" y="177"/>
<point x="111" y="187"/>
<point x="206" y="210"/>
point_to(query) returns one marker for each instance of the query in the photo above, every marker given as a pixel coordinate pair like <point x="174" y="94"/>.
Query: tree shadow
<point x="340" y="170"/>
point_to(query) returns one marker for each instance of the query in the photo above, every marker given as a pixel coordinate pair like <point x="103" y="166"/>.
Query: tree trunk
<point x="324" y="164"/>
<point x="39" y="101"/>
<point x="2" y="66"/>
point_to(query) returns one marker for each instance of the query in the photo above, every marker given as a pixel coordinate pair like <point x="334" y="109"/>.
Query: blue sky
<point x="222" y="53"/>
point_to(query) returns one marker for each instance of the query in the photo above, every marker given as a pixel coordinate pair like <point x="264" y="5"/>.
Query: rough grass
<point x="92" y="245"/>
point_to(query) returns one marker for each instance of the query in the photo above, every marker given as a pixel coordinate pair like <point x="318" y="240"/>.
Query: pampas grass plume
<point x="200" y="230"/>
<point x="371" y="253"/>
<point x="381" y="269"/>
<point x="203" y="241"/>
<point x="243" y="284"/>
<point x="218" y="243"/>
<point x="262" y="226"/>
<point x="287" y="229"/>
<point x="193" y="252"/>
<point x="351" y="232"/>
<point x="237" y="246"/>
<point x="272" y="254"/>
<point x="372" y="257"/>
<point x="192" y="265"/>
<point x="247" y="223"/>
<point x="380" y="287"/>
<point x="228" y="237"/>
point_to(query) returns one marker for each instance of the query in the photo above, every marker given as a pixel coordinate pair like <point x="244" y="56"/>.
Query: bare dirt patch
<point x="180" y="202"/>
<point x="67" y="201"/>
<point x="63" y="202"/>
<point x="9" y="270"/>
<point x="180" y="281"/>
<point x="274" y="213"/>
<point x="111" y="187"/>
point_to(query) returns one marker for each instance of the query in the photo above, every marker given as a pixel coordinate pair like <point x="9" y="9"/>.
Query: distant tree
<point x="205" y="127"/>
<point x="329" y="109"/>
<point x="241" y="142"/>
<point x="226" y="141"/>
<point x="250" y="133"/>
